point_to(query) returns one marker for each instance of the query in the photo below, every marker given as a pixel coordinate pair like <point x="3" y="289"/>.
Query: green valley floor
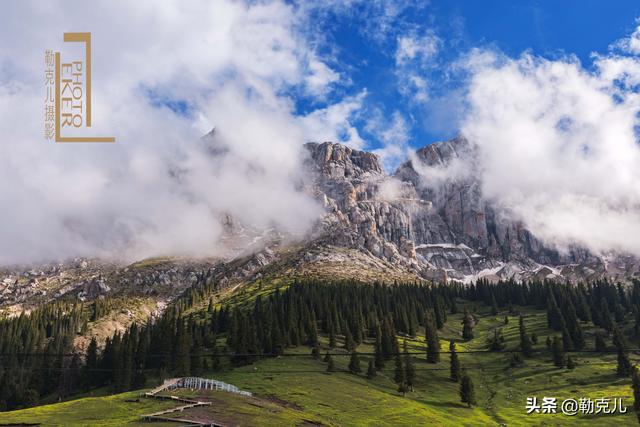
<point x="295" y="389"/>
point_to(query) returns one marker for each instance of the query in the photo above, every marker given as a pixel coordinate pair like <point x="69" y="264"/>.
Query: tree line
<point x="37" y="356"/>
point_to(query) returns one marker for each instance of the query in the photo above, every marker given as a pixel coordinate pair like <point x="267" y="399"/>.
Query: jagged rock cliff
<point x="428" y="220"/>
<point x="430" y="216"/>
<point x="469" y="219"/>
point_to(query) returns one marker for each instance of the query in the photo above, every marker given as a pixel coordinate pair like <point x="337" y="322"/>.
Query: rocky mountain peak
<point x="339" y="161"/>
<point x="441" y="153"/>
<point x="430" y="216"/>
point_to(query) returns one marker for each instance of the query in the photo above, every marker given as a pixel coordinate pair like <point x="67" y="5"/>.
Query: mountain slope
<point x="431" y="218"/>
<point x="297" y="390"/>
<point x="427" y="221"/>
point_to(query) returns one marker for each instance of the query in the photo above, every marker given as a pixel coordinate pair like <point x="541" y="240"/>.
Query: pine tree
<point x="453" y="306"/>
<point x="399" y="374"/>
<point x="140" y="377"/>
<point x="68" y="378"/>
<point x="354" y="363"/>
<point x="409" y="369"/>
<point x="90" y="379"/>
<point x="582" y="307"/>
<point x="619" y="341"/>
<point x="378" y="354"/>
<point x="605" y="315"/>
<point x="558" y="352"/>
<point x="331" y="367"/>
<point x="440" y="314"/>
<point x="496" y="343"/>
<point x="525" y="342"/>
<point x="403" y="388"/>
<point x="277" y="340"/>
<point x="389" y="341"/>
<point x="128" y="348"/>
<point x="197" y="360"/>
<point x="116" y="370"/>
<point x="371" y="370"/>
<point x="182" y="364"/>
<point x="468" y="322"/>
<point x="287" y="318"/>
<point x="573" y="326"/>
<point x="332" y="338"/>
<point x="312" y="331"/>
<point x="467" y="391"/>
<point x="433" y="342"/>
<point x="567" y="342"/>
<point x="618" y="312"/>
<point x="494" y="305"/>
<point x="623" y="368"/>
<point x="349" y="343"/>
<point x="315" y="351"/>
<point x="554" y="316"/>
<point x="516" y="360"/>
<point x="106" y="363"/>
<point x="215" y="358"/>
<point x="455" y="363"/>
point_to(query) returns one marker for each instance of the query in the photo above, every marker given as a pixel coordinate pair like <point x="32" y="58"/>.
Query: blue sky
<point x="362" y="44"/>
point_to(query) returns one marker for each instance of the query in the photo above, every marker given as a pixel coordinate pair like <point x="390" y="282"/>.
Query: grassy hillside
<point x="115" y="410"/>
<point x="297" y="390"/>
<point x="346" y="399"/>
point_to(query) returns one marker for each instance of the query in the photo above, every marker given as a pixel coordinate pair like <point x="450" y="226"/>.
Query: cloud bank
<point x="558" y="144"/>
<point x="556" y="139"/>
<point x="157" y="191"/>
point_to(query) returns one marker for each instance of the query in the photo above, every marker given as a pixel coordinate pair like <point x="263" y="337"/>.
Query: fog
<point x="158" y="190"/>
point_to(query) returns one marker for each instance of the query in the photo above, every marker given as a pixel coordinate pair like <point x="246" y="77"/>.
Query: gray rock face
<point x="417" y="222"/>
<point x="348" y="183"/>
<point x="439" y="224"/>
<point x="336" y="161"/>
<point x="468" y="218"/>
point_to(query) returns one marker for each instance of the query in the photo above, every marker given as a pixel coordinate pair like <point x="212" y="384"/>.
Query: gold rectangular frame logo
<point x="69" y="119"/>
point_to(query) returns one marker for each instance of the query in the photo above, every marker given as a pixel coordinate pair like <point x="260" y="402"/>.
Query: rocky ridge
<point x="400" y="226"/>
<point x="440" y="228"/>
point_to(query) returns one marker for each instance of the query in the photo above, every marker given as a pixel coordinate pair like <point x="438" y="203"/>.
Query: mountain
<point x="438" y="228"/>
<point x="426" y="221"/>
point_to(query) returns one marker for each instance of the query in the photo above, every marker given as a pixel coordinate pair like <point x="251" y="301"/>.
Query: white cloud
<point x="557" y="146"/>
<point x="320" y="77"/>
<point x="629" y="44"/>
<point x="394" y="135"/>
<point x="158" y="190"/>
<point x="435" y="176"/>
<point x="411" y="47"/>
<point x="391" y="189"/>
<point x="333" y="123"/>
<point x="414" y="55"/>
<point x="379" y="20"/>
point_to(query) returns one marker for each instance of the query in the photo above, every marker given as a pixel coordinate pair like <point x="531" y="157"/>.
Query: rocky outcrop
<point x="468" y="218"/>
<point x="348" y="182"/>
<point x="429" y="216"/>
<point x="428" y="220"/>
<point x="87" y="280"/>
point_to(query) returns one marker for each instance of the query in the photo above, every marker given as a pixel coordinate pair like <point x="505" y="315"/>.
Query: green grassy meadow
<point x="297" y="390"/>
